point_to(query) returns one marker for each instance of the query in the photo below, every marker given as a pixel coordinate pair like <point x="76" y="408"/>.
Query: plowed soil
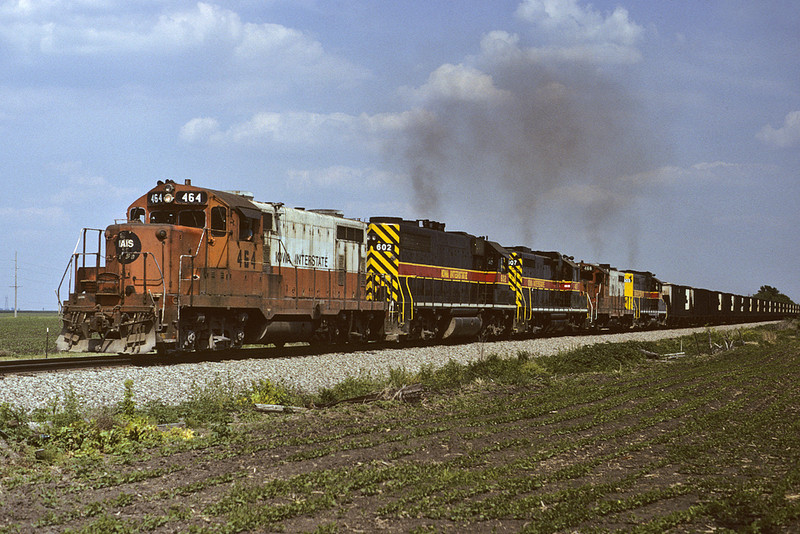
<point x="698" y="444"/>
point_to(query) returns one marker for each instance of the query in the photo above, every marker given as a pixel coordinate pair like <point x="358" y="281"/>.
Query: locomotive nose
<point x="128" y="246"/>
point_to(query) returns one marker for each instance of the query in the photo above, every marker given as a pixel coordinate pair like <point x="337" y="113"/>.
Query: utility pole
<point x="16" y="286"/>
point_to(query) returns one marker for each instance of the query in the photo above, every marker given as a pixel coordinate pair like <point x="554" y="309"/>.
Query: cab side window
<point x="219" y="220"/>
<point x="136" y="215"/>
<point x="248" y="228"/>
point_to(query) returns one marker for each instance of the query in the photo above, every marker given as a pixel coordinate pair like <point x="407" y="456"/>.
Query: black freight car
<point x="690" y="306"/>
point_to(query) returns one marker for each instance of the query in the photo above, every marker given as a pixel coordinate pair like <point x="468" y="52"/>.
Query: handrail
<point x="180" y="270"/>
<point x="163" y="285"/>
<point x="72" y="265"/>
<point x="411" y="298"/>
<point x="61" y="283"/>
<point x="530" y="304"/>
<point x="286" y="250"/>
<point x="74" y="257"/>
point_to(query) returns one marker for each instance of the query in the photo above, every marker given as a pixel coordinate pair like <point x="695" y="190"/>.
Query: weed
<point x="13" y="423"/>
<point x="327" y="528"/>
<point x="263" y="392"/>
<point x="62" y="411"/>
<point x="128" y="406"/>
<point x="601" y="357"/>
<point x="106" y="524"/>
<point x="350" y="387"/>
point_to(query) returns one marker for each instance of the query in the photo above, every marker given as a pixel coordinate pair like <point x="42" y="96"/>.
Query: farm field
<point x="26" y="335"/>
<point x="701" y="443"/>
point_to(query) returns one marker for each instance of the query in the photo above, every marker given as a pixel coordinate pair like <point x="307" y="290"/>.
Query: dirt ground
<point x="694" y="446"/>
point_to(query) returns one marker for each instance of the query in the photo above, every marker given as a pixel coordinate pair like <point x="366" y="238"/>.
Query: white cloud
<point x="296" y="128"/>
<point x="214" y="37"/>
<point x="84" y="187"/>
<point x="702" y="174"/>
<point x="460" y="83"/>
<point x="786" y="136"/>
<point x="580" y="33"/>
<point x="49" y="215"/>
<point x="390" y="122"/>
<point x="567" y="19"/>
<point x="199" y="129"/>
<point x="503" y="47"/>
<point x="301" y="128"/>
<point x="68" y="29"/>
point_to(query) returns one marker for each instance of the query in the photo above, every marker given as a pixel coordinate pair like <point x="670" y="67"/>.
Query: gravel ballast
<point x="172" y="384"/>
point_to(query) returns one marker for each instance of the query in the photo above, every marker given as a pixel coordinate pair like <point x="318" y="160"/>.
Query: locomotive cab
<point x="119" y="301"/>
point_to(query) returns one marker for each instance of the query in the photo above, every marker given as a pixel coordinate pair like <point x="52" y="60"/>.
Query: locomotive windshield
<point x="182" y="217"/>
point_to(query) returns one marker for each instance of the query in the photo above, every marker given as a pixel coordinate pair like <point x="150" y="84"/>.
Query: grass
<point x="27" y="335"/>
<point x="596" y="439"/>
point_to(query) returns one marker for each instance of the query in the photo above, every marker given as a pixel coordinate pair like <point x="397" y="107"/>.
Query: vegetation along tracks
<point x="597" y="439"/>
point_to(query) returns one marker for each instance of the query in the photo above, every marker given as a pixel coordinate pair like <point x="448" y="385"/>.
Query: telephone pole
<point x="16" y="286"/>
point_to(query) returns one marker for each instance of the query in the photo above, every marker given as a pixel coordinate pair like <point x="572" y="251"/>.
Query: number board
<point x="191" y="197"/>
<point x="180" y="197"/>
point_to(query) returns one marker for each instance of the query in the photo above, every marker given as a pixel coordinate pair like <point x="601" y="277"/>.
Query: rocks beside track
<point x="173" y="384"/>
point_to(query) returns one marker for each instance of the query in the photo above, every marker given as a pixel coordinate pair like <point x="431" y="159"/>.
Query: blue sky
<point x="661" y="136"/>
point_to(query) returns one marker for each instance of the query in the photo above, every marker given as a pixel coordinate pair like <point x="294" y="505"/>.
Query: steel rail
<point x="38" y="365"/>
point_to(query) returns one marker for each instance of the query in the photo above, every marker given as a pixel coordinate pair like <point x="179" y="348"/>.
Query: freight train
<point x="194" y="269"/>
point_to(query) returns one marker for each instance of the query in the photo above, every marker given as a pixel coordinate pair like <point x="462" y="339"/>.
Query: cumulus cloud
<point x="460" y="83"/>
<point x="565" y="18"/>
<point x="199" y="130"/>
<point x="211" y="25"/>
<point x="700" y="175"/>
<point x="204" y="40"/>
<point x="293" y="128"/>
<point x="577" y="33"/>
<point x="300" y="129"/>
<point x="786" y="136"/>
<point x="83" y="187"/>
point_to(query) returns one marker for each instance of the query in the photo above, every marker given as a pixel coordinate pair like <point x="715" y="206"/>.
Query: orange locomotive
<point x="197" y="269"/>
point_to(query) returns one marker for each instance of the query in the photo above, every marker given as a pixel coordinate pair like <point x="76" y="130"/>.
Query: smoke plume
<point x="523" y="137"/>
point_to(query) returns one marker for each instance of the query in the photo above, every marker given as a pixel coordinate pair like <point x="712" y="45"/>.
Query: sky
<point x="655" y="136"/>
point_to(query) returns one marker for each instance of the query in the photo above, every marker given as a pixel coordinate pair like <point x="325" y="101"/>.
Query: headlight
<point x="168" y="198"/>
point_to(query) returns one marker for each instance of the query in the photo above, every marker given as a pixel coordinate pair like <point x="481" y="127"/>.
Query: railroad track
<point x="38" y="365"/>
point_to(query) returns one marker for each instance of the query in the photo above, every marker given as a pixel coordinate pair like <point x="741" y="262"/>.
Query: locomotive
<point x="194" y="269"/>
<point x="197" y="269"/>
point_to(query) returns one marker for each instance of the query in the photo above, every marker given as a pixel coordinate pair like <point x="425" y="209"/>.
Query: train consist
<point x="196" y="269"/>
